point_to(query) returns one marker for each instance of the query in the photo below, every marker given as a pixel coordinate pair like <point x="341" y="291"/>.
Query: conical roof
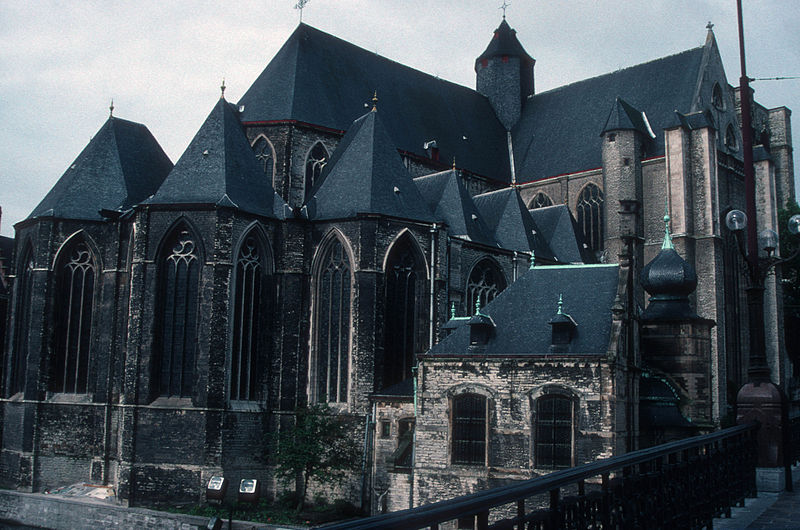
<point x="220" y="168"/>
<point x="121" y="166"/>
<point x="510" y="223"/>
<point x="624" y="116"/>
<point x="504" y="42"/>
<point x="447" y="196"/>
<point x="366" y="176"/>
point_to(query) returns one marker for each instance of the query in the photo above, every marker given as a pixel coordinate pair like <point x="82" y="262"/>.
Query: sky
<point x="162" y="63"/>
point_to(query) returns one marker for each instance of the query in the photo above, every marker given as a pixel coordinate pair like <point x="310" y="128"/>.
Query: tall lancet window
<point x="405" y="286"/>
<point x="177" y="315"/>
<point x="23" y="322"/>
<point x="265" y="154"/>
<point x="315" y="163"/>
<point x="249" y="342"/>
<point x="590" y="216"/>
<point x="333" y="320"/>
<point x="485" y="282"/>
<point x="75" y="295"/>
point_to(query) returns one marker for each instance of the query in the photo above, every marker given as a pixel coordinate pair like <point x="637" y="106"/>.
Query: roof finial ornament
<point x="667" y="237"/>
<point x="111" y="109"/>
<point x="533" y="259"/>
<point x="478" y="306"/>
<point x="300" y="5"/>
<point x="452" y="310"/>
<point x="560" y="304"/>
<point x="709" y="26"/>
<point x="375" y="102"/>
<point x="222" y="89"/>
<point x="503" y="7"/>
<point x="454" y="163"/>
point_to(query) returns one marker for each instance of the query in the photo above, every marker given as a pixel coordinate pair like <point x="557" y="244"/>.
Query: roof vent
<point x="396" y="189"/>
<point x="474" y="217"/>
<point x="205" y="153"/>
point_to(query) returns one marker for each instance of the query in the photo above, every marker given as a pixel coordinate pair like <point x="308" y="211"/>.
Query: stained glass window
<point x="590" y="216"/>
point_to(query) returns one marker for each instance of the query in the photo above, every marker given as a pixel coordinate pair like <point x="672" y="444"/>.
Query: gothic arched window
<point x="23" y="322"/>
<point x="249" y="300"/>
<point x="590" y="216"/>
<point x="730" y="138"/>
<point x="405" y="286"/>
<point x="485" y="282"/>
<point x="553" y="432"/>
<point x="315" y="162"/>
<point x="469" y="423"/>
<point x="75" y="280"/>
<point x="540" y="200"/>
<point x="265" y="154"/>
<point x="331" y="367"/>
<point x="179" y="272"/>
<point x="716" y="97"/>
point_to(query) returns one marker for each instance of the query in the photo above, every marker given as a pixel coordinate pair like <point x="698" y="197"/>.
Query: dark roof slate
<point x="504" y="42"/>
<point x="220" y="168"/>
<point x="121" y="166"/>
<point x="447" y="196"/>
<point x="416" y="107"/>
<point x="624" y="117"/>
<point x="522" y="312"/>
<point x="510" y="223"/>
<point x="560" y="230"/>
<point x="558" y="130"/>
<point x="366" y="176"/>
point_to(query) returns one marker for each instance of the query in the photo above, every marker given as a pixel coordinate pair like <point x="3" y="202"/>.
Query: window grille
<point x="265" y="155"/>
<point x="485" y="282"/>
<point x="590" y="216"/>
<point x="333" y="325"/>
<point x="469" y="429"/>
<point x="23" y="315"/>
<point x="404" y="288"/>
<point x="248" y="303"/>
<point x="553" y="432"/>
<point x="180" y="276"/>
<point x="315" y="163"/>
<point x="541" y="200"/>
<point x="75" y="296"/>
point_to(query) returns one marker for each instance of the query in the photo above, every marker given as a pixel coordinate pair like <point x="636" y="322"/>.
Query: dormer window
<point x="563" y="329"/>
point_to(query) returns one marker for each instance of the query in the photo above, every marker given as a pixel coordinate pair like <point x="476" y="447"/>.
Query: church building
<point x="461" y="273"/>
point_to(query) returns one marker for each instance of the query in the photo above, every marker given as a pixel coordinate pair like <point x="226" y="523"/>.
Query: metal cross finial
<point x="111" y="109"/>
<point x="503" y="7"/>
<point x="222" y="89"/>
<point x="709" y="26"/>
<point x="375" y="102"/>
<point x="300" y="5"/>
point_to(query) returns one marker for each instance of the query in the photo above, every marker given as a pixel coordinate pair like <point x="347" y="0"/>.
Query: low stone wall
<point x="48" y="511"/>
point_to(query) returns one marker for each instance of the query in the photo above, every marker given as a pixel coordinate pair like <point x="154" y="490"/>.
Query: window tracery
<point x="590" y="216"/>
<point x="315" y="162"/>
<point x="265" y="154"/>
<point x="485" y="282"/>
<point x="540" y="200"/>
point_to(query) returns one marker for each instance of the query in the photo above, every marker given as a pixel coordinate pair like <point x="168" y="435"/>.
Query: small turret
<point x="505" y="74"/>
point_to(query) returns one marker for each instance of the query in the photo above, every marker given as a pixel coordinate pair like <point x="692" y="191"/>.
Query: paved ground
<point x="768" y="510"/>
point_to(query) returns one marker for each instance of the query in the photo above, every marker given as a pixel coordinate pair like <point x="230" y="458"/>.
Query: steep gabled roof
<point x="558" y="130"/>
<point x="366" y="176"/>
<point x="504" y="42"/>
<point x="522" y="312"/>
<point x="121" y="166"/>
<point x="220" y="168"/>
<point x="560" y="230"/>
<point x="416" y="107"/>
<point x="510" y="223"/>
<point x="447" y="196"/>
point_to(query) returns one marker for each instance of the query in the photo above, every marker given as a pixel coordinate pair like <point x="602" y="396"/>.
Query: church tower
<point x="505" y="74"/>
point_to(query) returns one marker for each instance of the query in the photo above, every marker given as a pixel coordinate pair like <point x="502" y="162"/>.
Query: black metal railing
<point x="683" y="484"/>
<point x="794" y="440"/>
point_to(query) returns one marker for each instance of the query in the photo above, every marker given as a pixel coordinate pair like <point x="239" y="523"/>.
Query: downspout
<point x="511" y="159"/>
<point x="366" y="478"/>
<point x="413" y="441"/>
<point x="434" y="231"/>
<point x="514" y="267"/>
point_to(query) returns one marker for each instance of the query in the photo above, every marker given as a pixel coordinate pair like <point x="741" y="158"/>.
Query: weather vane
<point x="503" y="7"/>
<point x="300" y="5"/>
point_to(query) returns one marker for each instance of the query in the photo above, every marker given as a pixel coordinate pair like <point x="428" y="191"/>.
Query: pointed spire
<point x="375" y="102"/>
<point x="111" y="109"/>
<point x="222" y="89"/>
<point x="667" y="238"/>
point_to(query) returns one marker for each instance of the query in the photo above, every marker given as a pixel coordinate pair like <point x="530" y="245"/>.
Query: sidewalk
<point x="768" y="510"/>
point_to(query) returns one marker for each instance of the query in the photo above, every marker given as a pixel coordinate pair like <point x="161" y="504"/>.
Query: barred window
<point x="75" y="296"/>
<point x="265" y="154"/>
<point x="540" y="200"/>
<point x="485" y="282"/>
<point x="249" y="342"/>
<point x="553" y="441"/>
<point x="405" y="278"/>
<point x="469" y="429"/>
<point x="333" y="321"/>
<point x="23" y="321"/>
<point x="590" y="216"/>
<point x="315" y="163"/>
<point x="177" y="316"/>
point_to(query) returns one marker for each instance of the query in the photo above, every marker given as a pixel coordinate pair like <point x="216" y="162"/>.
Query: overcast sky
<point x="162" y="62"/>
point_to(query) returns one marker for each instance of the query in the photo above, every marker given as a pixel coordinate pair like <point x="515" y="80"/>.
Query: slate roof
<point x="561" y="232"/>
<point x="121" y="166"/>
<point x="504" y="42"/>
<point x="522" y="312"/>
<point x="447" y="196"/>
<point x="366" y="175"/>
<point x="558" y="130"/>
<point x="510" y="223"/>
<point x="416" y="107"/>
<point x="220" y="168"/>
<point x="624" y="117"/>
